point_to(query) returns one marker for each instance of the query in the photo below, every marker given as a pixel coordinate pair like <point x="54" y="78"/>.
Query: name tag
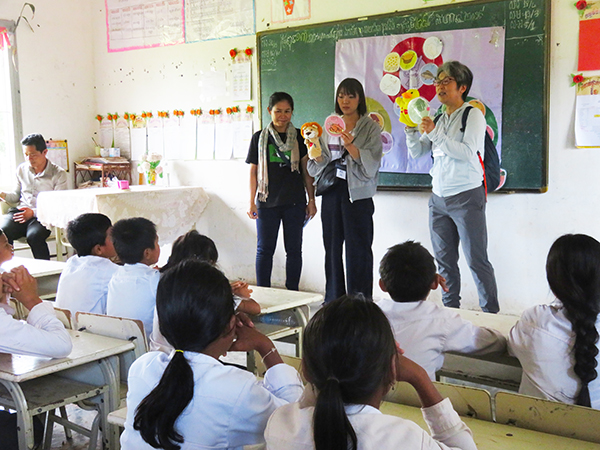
<point x="340" y="173"/>
<point x="437" y="152"/>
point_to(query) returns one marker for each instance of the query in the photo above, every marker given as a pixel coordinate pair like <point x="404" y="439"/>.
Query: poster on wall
<point x="289" y="10"/>
<point x="395" y="69"/>
<point x="134" y="24"/>
<point x="587" y="113"/>
<point x="216" y="19"/>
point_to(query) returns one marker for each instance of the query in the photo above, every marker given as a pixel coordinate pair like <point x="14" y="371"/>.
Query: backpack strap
<point x="465" y="116"/>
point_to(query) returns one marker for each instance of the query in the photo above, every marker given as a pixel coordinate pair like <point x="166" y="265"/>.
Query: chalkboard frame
<point x="535" y="169"/>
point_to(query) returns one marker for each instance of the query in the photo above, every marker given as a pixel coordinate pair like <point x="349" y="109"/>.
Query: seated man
<point x="35" y="175"/>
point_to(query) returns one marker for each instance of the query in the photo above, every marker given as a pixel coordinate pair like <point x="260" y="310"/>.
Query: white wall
<point x="78" y="78"/>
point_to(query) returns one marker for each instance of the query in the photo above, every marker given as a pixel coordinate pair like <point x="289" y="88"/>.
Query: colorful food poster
<point x="216" y="19"/>
<point x="589" y="42"/>
<point x="205" y="146"/>
<point x="289" y="10"/>
<point x="587" y="113"/>
<point x="134" y="24"/>
<point x="58" y="153"/>
<point x="395" y="69"/>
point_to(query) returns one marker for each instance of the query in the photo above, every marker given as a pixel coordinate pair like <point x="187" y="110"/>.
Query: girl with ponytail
<point x="188" y="399"/>
<point x="351" y="361"/>
<point x="557" y="343"/>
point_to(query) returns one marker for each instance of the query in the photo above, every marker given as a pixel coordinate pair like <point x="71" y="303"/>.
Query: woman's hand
<point x="347" y="138"/>
<point x="427" y="125"/>
<point x="253" y="211"/>
<point x="311" y="209"/>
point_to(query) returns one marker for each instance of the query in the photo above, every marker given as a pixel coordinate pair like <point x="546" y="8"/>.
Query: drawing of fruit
<point x="288" y="5"/>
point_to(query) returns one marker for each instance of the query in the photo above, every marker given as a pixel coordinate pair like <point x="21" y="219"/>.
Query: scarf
<point x="291" y="144"/>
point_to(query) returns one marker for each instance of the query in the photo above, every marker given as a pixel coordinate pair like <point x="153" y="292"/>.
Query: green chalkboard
<point x="301" y="61"/>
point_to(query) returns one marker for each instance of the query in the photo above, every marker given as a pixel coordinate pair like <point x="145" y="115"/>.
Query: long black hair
<point x="573" y="273"/>
<point x="194" y="306"/>
<point x="348" y="351"/>
<point x="192" y="245"/>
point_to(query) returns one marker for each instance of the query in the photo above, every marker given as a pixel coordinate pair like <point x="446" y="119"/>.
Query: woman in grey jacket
<point x="347" y="207"/>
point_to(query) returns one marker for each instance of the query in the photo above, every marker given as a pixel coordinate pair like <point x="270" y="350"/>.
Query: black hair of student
<point x="192" y="245"/>
<point x="86" y="231"/>
<point x="36" y="140"/>
<point x="194" y="306"/>
<point x="408" y="271"/>
<point x="351" y="86"/>
<point x="461" y="73"/>
<point x="573" y="273"/>
<point x="348" y="349"/>
<point x="277" y="97"/>
<point x="131" y="237"/>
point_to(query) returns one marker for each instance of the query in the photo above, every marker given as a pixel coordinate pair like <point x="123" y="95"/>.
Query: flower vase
<point x="151" y="177"/>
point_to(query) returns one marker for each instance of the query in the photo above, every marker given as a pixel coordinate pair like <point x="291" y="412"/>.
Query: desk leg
<point x="110" y="433"/>
<point x="24" y="420"/>
<point x="59" y="244"/>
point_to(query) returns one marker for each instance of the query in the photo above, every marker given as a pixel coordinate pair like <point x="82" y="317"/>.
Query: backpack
<point x="490" y="163"/>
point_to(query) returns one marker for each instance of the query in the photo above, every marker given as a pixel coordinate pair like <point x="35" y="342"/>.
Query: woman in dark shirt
<point x="277" y="158"/>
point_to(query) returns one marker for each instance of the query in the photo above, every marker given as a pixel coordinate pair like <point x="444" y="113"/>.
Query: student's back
<point x="425" y="330"/>
<point x="210" y="404"/>
<point x="132" y="288"/>
<point x="83" y="283"/>
<point x="557" y="343"/>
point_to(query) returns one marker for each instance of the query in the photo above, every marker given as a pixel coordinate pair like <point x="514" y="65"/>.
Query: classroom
<point x="67" y="76"/>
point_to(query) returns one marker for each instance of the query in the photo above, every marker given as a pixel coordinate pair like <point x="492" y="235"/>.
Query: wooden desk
<point x="174" y="210"/>
<point x="498" y="370"/>
<point x="106" y="166"/>
<point x="46" y="273"/>
<point x="495" y="436"/>
<point x="87" y="348"/>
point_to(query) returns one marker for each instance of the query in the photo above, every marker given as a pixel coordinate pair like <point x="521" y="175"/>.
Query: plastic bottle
<point x="285" y="318"/>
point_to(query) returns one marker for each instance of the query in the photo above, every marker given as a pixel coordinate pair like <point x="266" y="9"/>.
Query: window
<point x="10" y="118"/>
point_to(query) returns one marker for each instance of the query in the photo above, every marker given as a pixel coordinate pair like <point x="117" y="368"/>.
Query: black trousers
<point x="350" y="223"/>
<point x="35" y="232"/>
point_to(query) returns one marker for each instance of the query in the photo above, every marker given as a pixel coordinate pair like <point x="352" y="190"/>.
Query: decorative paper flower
<point x="233" y="53"/>
<point x="146" y="114"/>
<point x="196" y="112"/>
<point x="109" y="116"/>
<point x="248" y="50"/>
<point x="214" y="112"/>
<point x="229" y="110"/>
<point x="163" y="114"/>
<point x="581" y="5"/>
<point x="576" y="79"/>
<point x="178" y="113"/>
<point x="99" y="118"/>
<point x="249" y="109"/>
<point x="126" y="116"/>
<point x="144" y="166"/>
<point x="115" y="116"/>
<point x="159" y="170"/>
<point x="154" y="157"/>
<point x="132" y="117"/>
<point x="235" y="109"/>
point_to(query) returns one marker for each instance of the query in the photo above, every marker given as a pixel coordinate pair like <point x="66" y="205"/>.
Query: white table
<point x="87" y="348"/>
<point x="174" y="210"/>
<point x="45" y="272"/>
<point x="494" y="369"/>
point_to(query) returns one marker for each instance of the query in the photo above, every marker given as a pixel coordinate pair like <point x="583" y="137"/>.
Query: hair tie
<point x="177" y="350"/>
<point x="332" y="378"/>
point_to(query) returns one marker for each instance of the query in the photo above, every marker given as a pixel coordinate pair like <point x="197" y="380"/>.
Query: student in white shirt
<point x="197" y="246"/>
<point x="351" y="360"/>
<point x="557" y="343"/>
<point x="6" y="254"/>
<point x="132" y="289"/>
<point x="43" y="334"/>
<point x="189" y="397"/>
<point x="83" y="284"/>
<point x="426" y="330"/>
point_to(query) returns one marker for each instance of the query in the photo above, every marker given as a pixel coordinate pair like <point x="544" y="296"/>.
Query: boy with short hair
<point x="423" y="329"/>
<point x="132" y="289"/>
<point x="83" y="284"/>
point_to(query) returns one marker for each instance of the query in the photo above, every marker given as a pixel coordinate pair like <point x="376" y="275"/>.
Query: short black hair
<point x="192" y="245"/>
<point x="131" y="237"/>
<point x="407" y="271"/>
<point x="277" y="97"/>
<point x="351" y="86"/>
<point x="86" y="231"/>
<point x="36" y="140"/>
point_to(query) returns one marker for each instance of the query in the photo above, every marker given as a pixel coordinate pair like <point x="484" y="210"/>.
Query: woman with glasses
<point x="457" y="204"/>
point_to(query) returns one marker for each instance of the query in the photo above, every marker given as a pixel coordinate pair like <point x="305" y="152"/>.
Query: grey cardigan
<point x="362" y="174"/>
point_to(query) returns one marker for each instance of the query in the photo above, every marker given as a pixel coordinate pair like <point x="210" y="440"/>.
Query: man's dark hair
<point x="36" y="140"/>
<point x="408" y="271"/>
<point x="131" y="237"/>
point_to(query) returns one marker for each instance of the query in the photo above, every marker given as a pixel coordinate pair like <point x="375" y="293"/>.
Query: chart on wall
<point x="399" y="68"/>
<point x="133" y="24"/>
<point x="216" y="19"/>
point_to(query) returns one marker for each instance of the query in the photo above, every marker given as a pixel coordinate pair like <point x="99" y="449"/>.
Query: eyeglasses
<point x="445" y="82"/>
